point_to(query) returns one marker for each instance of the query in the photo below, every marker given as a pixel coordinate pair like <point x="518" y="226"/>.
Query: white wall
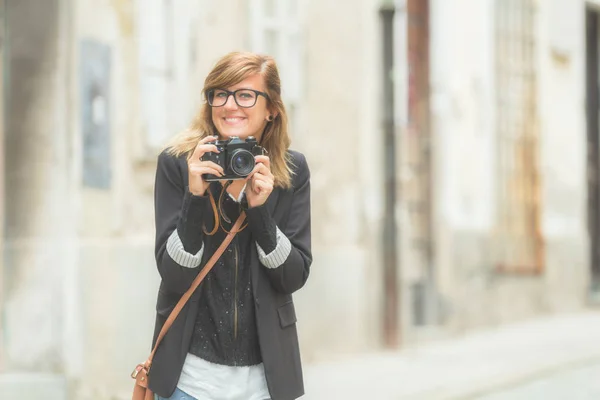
<point x="116" y="275"/>
<point x="37" y="248"/>
<point x="462" y="84"/>
<point x="340" y="306"/>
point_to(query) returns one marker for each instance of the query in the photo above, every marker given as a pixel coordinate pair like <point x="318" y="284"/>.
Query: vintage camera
<point x="236" y="157"/>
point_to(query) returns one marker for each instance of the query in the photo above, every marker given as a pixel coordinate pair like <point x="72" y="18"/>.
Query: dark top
<point x="225" y="329"/>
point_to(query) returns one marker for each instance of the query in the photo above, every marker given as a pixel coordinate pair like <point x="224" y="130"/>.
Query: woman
<point x="236" y="338"/>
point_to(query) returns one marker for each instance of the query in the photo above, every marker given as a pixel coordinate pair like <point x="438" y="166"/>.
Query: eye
<point x="220" y="94"/>
<point x="246" y="95"/>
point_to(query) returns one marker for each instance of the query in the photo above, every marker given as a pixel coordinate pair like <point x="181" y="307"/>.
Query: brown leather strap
<point x="186" y="296"/>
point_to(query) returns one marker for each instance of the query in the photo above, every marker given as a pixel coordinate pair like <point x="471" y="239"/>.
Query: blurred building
<point x="454" y="149"/>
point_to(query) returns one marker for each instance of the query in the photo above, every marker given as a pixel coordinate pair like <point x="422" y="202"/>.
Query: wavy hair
<point x="231" y="70"/>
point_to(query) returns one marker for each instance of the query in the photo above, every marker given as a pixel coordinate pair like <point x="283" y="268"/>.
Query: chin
<point x="230" y="134"/>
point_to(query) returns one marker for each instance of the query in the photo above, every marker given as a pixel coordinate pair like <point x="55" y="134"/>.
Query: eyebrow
<point x="242" y="88"/>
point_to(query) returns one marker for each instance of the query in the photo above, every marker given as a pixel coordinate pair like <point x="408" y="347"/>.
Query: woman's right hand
<point x="197" y="167"/>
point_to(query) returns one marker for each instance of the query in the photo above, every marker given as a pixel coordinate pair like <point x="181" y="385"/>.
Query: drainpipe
<point x="2" y="97"/>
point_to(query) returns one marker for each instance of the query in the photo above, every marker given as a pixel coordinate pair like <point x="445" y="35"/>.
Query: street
<point x="552" y="358"/>
<point x="577" y="383"/>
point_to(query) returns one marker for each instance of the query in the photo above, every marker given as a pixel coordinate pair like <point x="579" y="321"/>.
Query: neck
<point x="235" y="187"/>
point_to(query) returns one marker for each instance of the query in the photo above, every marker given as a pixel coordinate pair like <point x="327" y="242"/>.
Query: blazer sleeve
<point x="179" y="218"/>
<point x="286" y="252"/>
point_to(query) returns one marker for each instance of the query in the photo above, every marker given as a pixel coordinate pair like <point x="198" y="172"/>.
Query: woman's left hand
<point x="260" y="182"/>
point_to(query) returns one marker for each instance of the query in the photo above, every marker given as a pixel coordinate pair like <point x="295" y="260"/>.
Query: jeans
<point x="177" y="395"/>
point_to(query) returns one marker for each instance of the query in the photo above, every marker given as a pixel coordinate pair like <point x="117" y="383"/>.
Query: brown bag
<point x="142" y="371"/>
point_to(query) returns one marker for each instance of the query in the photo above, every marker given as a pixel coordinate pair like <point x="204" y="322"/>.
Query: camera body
<point x="236" y="157"/>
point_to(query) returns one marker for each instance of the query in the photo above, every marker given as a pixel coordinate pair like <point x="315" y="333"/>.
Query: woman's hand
<point x="260" y="182"/>
<point x="197" y="167"/>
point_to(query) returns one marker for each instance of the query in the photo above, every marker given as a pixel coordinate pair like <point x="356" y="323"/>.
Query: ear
<point x="271" y="116"/>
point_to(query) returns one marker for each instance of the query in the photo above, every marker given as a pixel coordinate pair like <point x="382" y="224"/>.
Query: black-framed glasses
<point x="244" y="98"/>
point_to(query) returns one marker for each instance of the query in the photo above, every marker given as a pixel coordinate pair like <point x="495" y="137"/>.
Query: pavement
<point x="582" y="383"/>
<point x="534" y="359"/>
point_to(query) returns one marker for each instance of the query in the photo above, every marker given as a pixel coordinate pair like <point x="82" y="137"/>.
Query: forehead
<point x="255" y="81"/>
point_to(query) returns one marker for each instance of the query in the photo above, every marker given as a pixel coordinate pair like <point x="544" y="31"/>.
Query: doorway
<point x="593" y="145"/>
<point x="2" y="79"/>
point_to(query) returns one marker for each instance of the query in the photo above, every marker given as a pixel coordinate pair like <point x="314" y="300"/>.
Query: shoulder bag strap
<point x="186" y="296"/>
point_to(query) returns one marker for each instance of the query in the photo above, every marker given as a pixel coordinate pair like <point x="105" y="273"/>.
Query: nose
<point x="230" y="104"/>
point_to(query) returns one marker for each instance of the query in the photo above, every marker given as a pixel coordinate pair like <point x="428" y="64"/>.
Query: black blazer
<point x="272" y="288"/>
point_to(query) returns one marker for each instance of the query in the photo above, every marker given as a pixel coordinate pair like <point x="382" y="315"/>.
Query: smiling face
<point x="233" y="120"/>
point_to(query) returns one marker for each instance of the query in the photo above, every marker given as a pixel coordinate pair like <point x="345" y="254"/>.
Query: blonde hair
<point x="231" y="70"/>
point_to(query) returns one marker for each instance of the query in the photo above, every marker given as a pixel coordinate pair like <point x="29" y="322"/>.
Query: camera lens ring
<point x="241" y="162"/>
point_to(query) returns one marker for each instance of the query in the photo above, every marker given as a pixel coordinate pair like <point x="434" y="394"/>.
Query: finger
<point x="206" y="164"/>
<point x="201" y="154"/>
<point x="263" y="160"/>
<point x="199" y="171"/>
<point x="254" y="174"/>
<point x="261" y="186"/>
<point x="198" y="151"/>
<point x="211" y="164"/>
<point x="209" y="138"/>
<point x="262" y="177"/>
<point x="202" y="169"/>
<point x="202" y="150"/>
<point x="261" y="169"/>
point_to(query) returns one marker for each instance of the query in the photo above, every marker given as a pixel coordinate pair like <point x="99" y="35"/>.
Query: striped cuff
<point x="179" y="255"/>
<point x="278" y="256"/>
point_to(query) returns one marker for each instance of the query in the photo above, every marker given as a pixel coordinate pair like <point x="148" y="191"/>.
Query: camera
<point x="236" y="157"/>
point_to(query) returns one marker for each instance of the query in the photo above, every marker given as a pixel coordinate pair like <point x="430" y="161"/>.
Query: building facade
<point x="448" y="144"/>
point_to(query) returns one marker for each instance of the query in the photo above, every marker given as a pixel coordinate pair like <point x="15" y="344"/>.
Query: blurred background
<point x="454" y="147"/>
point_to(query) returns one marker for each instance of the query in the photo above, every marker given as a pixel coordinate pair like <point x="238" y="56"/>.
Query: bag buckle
<point x="137" y="370"/>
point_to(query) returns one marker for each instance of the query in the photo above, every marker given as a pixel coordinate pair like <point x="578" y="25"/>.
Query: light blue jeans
<point x="177" y="395"/>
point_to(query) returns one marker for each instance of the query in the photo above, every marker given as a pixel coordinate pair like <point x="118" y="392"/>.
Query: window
<point x="166" y="61"/>
<point x="276" y="30"/>
<point x="519" y="243"/>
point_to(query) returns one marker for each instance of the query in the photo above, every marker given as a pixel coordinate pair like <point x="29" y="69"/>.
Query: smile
<point x="234" y="120"/>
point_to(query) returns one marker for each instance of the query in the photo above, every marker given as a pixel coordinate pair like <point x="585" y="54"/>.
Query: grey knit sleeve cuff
<point x="278" y="256"/>
<point x="179" y="255"/>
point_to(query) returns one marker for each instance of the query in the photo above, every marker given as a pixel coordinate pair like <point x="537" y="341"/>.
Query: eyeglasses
<point x="244" y="98"/>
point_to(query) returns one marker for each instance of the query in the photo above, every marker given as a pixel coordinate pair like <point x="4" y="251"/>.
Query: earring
<point x="270" y="118"/>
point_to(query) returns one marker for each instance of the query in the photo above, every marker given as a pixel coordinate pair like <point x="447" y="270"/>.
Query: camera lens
<point x="242" y="162"/>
